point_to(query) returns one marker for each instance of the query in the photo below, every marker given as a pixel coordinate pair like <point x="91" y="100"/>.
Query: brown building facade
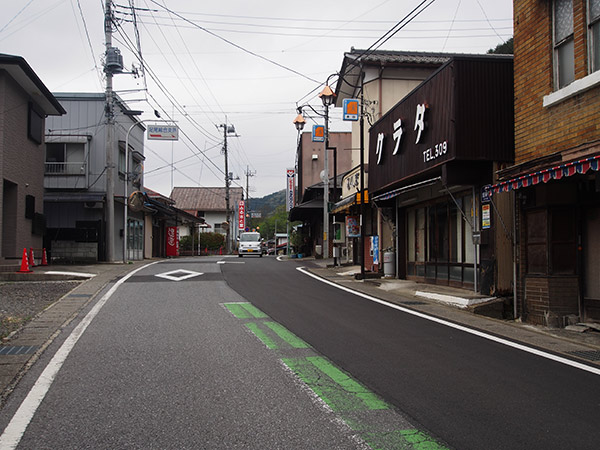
<point x="24" y="103"/>
<point x="429" y="158"/>
<point x="555" y="179"/>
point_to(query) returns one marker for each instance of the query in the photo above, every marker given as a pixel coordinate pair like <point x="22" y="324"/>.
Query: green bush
<point x="211" y="240"/>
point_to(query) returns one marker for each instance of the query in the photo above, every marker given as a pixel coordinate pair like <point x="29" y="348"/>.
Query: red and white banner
<point x="290" y="189"/>
<point x="172" y="241"/>
<point x="241" y="215"/>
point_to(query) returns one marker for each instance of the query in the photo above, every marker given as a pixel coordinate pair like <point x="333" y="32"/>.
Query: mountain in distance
<point x="267" y="204"/>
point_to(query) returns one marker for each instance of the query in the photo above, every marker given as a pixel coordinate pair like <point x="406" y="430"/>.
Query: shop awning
<point x="402" y="190"/>
<point x="346" y="203"/>
<point x="555" y="173"/>
<point x="306" y="210"/>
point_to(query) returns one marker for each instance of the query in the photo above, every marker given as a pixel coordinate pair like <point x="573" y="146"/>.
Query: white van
<point x="250" y="244"/>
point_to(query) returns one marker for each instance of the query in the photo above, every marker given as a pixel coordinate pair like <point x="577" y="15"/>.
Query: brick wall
<point x="550" y="299"/>
<point x="541" y="131"/>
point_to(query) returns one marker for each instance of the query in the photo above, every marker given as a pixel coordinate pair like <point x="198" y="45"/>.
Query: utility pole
<point x="227" y="129"/>
<point x="248" y="175"/>
<point x="110" y="141"/>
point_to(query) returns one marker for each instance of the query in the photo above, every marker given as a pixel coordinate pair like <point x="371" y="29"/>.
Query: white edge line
<point x="534" y="351"/>
<point x="16" y="428"/>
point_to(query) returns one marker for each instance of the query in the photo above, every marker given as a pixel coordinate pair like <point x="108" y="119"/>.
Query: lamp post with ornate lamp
<point x="327" y="97"/>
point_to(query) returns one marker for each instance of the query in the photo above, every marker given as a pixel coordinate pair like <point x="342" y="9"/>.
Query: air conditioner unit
<point x="93" y="205"/>
<point x="315" y="157"/>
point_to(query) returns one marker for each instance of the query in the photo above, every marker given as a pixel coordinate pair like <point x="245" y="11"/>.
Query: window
<point x="594" y="33"/>
<point x="564" y="49"/>
<point x="65" y="159"/>
<point x="122" y="168"/>
<point x="35" y="124"/>
<point x="551" y="241"/>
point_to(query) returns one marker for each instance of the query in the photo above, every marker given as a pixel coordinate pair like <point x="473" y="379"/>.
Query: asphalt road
<point x="468" y="391"/>
<point x="166" y="365"/>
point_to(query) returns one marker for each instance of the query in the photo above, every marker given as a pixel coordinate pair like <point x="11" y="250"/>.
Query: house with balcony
<point x="76" y="180"/>
<point x="25" y="102"/>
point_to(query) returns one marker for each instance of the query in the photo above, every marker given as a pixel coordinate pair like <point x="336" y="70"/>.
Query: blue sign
<point x="375" y="249"/>
<point x="350" y="107"/>
<point x="318" y="133"/>
<point x="486" y="194"/>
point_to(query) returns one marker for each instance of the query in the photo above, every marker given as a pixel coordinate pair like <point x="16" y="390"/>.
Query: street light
<point x="126" y="181"/>
<point x="327" y="97"/>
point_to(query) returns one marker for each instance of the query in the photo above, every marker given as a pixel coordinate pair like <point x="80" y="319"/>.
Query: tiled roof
<point x="402" y="57"/>
<point x="205" y="198"/>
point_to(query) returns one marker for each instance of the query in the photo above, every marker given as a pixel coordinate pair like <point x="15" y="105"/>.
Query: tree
<point x="505" y="48"/>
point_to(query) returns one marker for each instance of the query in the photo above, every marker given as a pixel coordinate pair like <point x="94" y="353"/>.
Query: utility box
<point x="389" y="264"/>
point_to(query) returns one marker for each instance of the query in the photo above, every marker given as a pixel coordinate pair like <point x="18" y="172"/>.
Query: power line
<point x="264" y="58"/>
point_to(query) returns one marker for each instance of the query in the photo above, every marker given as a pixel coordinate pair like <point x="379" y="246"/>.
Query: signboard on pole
<point x="163" y="132"/>
<point x="290" y="190"/>
<point x="350" y="107"/>
<point x="486" y="216"/>
<point x="241" y="215"/>
<point x="318" y="133"/>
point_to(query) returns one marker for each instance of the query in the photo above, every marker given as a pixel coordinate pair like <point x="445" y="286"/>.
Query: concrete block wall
<point x="74" y="251"/>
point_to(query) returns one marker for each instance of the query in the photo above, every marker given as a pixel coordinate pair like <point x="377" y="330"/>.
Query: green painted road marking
<point x="270" y="343"/>
<point x="350" y="385"/>
<point x="289" y="337"/>
<point x="333" y="386"/>
<point x="244" y="310"/>
<point x="401" y="439"/>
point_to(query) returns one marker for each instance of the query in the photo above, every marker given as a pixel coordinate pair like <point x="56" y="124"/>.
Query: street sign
<point x="163" y="132"/>
<point x="241" y="215"/>
<point x="350" y="107"/>
<point x="318" y="133"/>
<point x="290" y="189"/>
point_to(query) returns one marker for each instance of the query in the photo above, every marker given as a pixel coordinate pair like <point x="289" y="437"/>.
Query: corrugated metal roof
<point x="205" y="198"/>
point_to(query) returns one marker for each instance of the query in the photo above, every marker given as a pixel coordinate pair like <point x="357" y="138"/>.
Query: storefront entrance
<point x="439" y="242"/>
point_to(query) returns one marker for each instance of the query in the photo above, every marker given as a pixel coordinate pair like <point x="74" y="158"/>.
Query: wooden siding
<point x="469" y="107"/>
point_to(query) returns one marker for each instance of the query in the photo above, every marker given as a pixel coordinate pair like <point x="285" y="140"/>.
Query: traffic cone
<point x="24" y="263"/>
<point x="31" y="260"/>
<point x="44" y="258"/>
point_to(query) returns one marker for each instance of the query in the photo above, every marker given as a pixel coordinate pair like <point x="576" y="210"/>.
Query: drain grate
<point x="18" y="350"/>
<point x="590" y="355"/>
<point x="79" y="295"/>
<point x="413" y="303"/>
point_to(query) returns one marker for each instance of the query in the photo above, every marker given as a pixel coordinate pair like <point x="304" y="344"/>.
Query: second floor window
<point x="65" y="158"/>
<point x="594" y="33"/>
<point x="564" y="49"/>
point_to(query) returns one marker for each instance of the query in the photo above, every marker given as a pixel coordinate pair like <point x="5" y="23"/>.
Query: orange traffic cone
<point x="31" y="260"/>
<point x="44" y="258"/>
<point x="24" y="263"/>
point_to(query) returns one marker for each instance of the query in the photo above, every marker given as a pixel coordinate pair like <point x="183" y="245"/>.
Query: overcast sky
<point x="247" y="62"/>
